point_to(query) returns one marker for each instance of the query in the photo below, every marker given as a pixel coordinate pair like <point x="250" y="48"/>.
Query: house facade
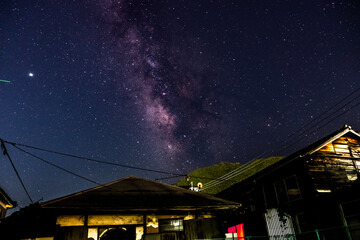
<point x="311" y="194"/>
<point x="131" y="208"/>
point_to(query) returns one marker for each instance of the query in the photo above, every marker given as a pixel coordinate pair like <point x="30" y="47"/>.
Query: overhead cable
<point x="311" y="125"/>
<point x="322" y="117"/>
<point x="103" y="162"/>
<point x="331" y="120"/>
<point x="230" y="174"/>
<point x="325" y="112"/>
<point x="3" y="147"/>
<point x="94" y="160"/>
<point x="54" y="165"/>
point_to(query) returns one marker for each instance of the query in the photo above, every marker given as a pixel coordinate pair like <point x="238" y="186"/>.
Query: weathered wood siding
<point x="202" y="229"/>
<point x="336" y="165"/>
<point x="71" y="233"/>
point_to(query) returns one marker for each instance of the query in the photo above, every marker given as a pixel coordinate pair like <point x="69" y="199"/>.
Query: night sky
<point x="167" y="85"/>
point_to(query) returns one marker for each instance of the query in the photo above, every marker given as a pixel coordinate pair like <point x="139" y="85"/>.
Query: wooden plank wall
<point x="71" y="233"/>
<point x="202" y="229"/>
<point x="336" y="165"/>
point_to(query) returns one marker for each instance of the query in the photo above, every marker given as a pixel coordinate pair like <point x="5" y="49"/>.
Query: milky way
<point x="167" y="82"/>
<point x="169" y="85"/>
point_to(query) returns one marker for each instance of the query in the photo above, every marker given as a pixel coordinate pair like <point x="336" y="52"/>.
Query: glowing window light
<point x="139" y="232"/>
<point x="175" y="223"/>
<point x="323" y="190"/>
<point x="102" y="220"/>
<point x="70" y="220"/>
<point x="93" y="233"/>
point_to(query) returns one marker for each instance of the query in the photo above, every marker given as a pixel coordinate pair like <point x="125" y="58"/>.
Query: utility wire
<point x="164" y="178"/>
<point x="331" y="120"/>
<point x="54" y="165"/>
<point x="322" y="117"/>
<point x="296" y="139"/>
<point x="94" y="160"/>
<point x="7" y="154"/>
<point x="304" y="129"/>
<point x="225" y="177"/>
<point x="230" y="174"/>
<point x="63" y="169"/>
<point x="356" y="105"/>
<point x="235" y="173"/>
<point x="325" y="112"/>
<point x="103" y="162"/>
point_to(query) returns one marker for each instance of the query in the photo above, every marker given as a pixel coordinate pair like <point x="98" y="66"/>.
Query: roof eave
<point x="182" y="208"/>
<point x="8" y="202"/>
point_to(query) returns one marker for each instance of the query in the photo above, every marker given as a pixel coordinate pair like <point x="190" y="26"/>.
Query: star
<point x="31" y="74"/>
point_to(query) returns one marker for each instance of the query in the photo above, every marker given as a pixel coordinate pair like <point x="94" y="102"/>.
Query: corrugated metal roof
<point x="134" y="193"/>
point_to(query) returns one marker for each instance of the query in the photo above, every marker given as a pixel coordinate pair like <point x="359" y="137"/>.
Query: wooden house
<point x="5" y="203"/>
<point x="311" y="194"/>
<point x="131" y="208"/>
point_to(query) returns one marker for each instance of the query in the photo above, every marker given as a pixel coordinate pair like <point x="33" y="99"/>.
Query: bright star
<point x="31" y="74"/>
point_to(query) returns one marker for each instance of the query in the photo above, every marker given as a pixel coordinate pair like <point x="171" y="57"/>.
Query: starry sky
<point x="168" y="85"/>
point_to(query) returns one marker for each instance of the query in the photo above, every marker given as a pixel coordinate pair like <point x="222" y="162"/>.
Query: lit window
<point x="323" y="190"/>
<point x="171" y="225"/>
<point x="351" y="174"/>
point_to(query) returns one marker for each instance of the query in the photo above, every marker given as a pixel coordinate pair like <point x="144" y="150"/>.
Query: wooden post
<point x="144" y="225"/>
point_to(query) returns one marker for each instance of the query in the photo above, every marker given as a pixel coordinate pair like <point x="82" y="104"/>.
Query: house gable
<point x="336" y="165"/>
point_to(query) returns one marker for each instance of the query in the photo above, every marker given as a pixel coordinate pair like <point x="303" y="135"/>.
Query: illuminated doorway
<point x="117" y="233"/>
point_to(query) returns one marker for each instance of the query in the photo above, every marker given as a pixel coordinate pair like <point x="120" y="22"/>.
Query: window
<point x="171" y="225"/>
<point x="287" y="190"/>
<point x="351" y="174"/>
<point x="280" y="190"/>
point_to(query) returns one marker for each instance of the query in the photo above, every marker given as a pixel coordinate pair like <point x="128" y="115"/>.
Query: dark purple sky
<point x="167" y="85"/>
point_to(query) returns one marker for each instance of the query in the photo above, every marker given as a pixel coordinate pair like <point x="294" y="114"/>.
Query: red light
<point x="239" y="229"/>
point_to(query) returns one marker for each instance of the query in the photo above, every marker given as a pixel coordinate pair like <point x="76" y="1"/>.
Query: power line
<point x="3" y="147"/>
<point x="322" y="117"/>
<point x="165" y="178"/>
<point x="296" y="139"/>
<point x="63" y="169"/>
<point x="240" y="170"/>
<point x="105" y="162"/>
<point x="230" y="174"/>
<point x="94" y="160"/>
<point x="215" y="181"/>
<point x="325" y="112"/>
<point x="331" y="120"/>
<point x="54" y="165"/>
